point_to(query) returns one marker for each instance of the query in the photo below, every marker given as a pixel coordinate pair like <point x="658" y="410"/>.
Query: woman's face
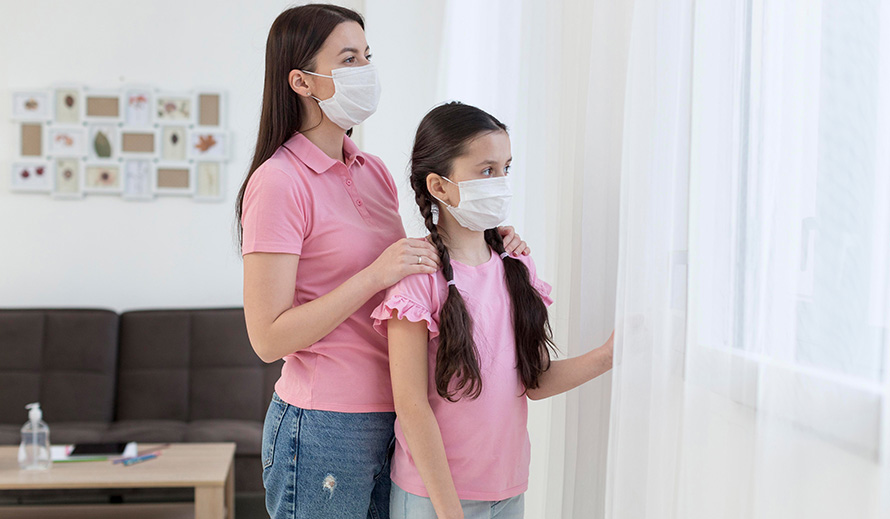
<point x="345" y="47"/>
<point x="486" y="156"/>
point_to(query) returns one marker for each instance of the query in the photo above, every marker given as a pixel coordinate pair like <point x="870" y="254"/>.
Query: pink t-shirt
<point x="486" y="440"/>
<point x="338" y="218"/>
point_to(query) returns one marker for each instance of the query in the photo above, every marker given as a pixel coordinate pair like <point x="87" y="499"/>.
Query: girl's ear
<point x="436" y="186"/>
<point x="298" y="82"/>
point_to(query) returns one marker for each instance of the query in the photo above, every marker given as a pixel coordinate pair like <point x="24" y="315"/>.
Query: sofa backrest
<point x="65" y="359"/>
<point x="190" y="365"/>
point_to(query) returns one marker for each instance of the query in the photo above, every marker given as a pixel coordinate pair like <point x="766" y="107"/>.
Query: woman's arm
<point x="277" y="328"/>
<point x="408" y="366"/>
<point x="567" y="374"/>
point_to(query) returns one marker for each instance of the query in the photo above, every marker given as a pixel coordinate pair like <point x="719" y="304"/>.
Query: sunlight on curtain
<point x="763" y="391"/>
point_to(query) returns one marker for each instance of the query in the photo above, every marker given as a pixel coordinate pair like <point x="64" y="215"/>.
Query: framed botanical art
<point x="103" y="177"/>
<point x="32" y="105"/>
<point x="138" y="106"/>
<point x="66" y="141"/>
<point x="68" y="178"/>
<point x="102" y="141"/>
<point x="139" y="179"/>
<point x="173" y="143"/>
<point x="208" y="181"/>
<point x="68" y="99"/>
<point x="135" y="141"/>
<point x="172" y="107"/>
<point x="31" y="176"/>
<point x="208" y="144"/>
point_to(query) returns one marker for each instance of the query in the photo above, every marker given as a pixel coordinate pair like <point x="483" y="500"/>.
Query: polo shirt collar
<point x="316" y="160"/>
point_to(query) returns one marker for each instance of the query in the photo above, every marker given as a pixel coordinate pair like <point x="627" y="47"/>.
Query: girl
<point x="468" y="343"/>
<point x="313" y="200"/>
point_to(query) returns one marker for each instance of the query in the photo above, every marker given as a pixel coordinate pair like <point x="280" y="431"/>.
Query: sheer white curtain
<point x="554" y="73"/>
<point x="752" y="377"/>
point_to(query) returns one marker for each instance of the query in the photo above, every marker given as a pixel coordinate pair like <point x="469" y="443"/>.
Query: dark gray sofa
<point x="147" y="376"/>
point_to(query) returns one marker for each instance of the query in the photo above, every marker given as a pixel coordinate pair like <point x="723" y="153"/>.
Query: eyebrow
<point x="353" y="50"/>
<point x="484" y="162"/>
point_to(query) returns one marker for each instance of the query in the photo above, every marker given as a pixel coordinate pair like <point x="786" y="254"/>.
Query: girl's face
<point x="486" y="156"/>
<point x="345" y="47"/>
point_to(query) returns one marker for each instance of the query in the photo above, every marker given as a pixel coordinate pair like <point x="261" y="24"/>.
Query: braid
<point x="457" y="357"/>
<point x="531" y="324"/>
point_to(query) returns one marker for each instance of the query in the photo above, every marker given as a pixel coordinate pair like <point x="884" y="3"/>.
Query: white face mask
<point x="356" y="94"/>
<point x="484" y="203"/>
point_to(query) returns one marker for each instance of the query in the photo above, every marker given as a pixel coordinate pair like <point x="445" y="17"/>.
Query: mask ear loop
<point x="439" y="199"/>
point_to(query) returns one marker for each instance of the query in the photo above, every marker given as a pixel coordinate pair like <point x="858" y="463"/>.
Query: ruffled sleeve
<point x="412" y="298"/>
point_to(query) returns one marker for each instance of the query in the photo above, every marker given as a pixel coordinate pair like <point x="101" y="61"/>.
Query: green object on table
<point x="75" y="460"/>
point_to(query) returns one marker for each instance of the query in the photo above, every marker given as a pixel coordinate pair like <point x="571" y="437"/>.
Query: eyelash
<point x="350" y="59"/>
<point x="506" y="170"/>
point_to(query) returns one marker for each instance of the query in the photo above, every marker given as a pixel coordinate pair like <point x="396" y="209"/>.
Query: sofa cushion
<point x="65" y="359"/>
<point x="190" y="365"/>
<point x="146" y="431"/>
<point x="247" y="434"/>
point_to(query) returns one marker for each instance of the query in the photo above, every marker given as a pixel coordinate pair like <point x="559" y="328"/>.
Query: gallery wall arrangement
<point x="136" y="142"/>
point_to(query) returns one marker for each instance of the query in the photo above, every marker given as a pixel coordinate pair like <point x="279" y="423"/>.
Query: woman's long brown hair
<point x="442" y="136"/>
<point x="293" y="43"/>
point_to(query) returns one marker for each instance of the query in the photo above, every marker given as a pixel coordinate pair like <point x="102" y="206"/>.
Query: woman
<point x="321" y="239"/>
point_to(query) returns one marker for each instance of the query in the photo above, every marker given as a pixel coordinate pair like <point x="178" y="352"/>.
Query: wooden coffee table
<point x="209" y="468"/>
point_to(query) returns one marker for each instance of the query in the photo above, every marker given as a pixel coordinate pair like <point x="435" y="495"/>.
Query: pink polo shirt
<point x="338" y="218"/>
<point x="486" y="440"/>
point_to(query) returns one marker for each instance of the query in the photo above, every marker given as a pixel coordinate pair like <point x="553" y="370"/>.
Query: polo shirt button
<point x="348" y="182"/>
<point x="358" y="202"/>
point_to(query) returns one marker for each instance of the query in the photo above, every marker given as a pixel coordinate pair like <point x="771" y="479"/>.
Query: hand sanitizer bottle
<point x="34" y="451"/>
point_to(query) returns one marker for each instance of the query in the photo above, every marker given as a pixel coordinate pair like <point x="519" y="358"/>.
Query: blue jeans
<point x="404" y="505"/>
<point x="320" y="464"/>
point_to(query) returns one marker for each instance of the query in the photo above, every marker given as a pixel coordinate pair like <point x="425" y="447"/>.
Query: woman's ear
<point x="298" y="82"/>
<point x="436" y="186"/>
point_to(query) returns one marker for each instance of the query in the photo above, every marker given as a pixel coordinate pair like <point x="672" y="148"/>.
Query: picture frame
<point x="174" y="108"/>
<point x="66" y="141"/>
<point x="103" y="141"/>
<point x="138" y="103"/>
<point x="68" y="178"/>
<point x="209" y="181"/>
<point x="173" y="143"/>
<point x="139" y="179"/>
<point x="31" y="176"/>
<point x="67" y="101"/>
<point x="209" y="144"/>
<point x="139" y="142"/>
<point x="102" y="106"/>
<point x="176" y="179"/>
<point x="32" y="105"/>
<point x="102" y="177"/>
<point x="31" y="140"/>
<point x="210" y="106"/>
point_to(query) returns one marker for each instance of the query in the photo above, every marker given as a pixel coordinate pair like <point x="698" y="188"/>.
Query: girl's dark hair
<point x="294" y="40"/>
<point x="442" y="136"/>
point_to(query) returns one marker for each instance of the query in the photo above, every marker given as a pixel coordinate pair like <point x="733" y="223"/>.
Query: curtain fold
<point x="751" y="373"/>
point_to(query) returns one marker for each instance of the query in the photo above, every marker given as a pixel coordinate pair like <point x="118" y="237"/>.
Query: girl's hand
<point x="401" y="259"/>
<point x="512" y="242"/>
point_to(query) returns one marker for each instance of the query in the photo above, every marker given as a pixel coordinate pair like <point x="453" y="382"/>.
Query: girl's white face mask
<point x="484" y="203"/>
<point x="356" y="94"/>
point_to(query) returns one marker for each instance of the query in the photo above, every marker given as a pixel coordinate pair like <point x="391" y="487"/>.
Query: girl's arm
<point x="276" y="328"/>
<point x="567" y="374"/>
<point x="409" y="365"/>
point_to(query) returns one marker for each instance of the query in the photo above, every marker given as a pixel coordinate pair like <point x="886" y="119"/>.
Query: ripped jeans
<point x="321" y="464"/>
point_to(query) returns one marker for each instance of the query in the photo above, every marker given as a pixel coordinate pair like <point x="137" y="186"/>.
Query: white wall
<point x="104" y="251"/>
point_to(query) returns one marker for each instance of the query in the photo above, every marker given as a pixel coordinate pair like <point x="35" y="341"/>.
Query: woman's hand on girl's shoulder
<point x="513" y="244"/>
<point x="401" y="259"/>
